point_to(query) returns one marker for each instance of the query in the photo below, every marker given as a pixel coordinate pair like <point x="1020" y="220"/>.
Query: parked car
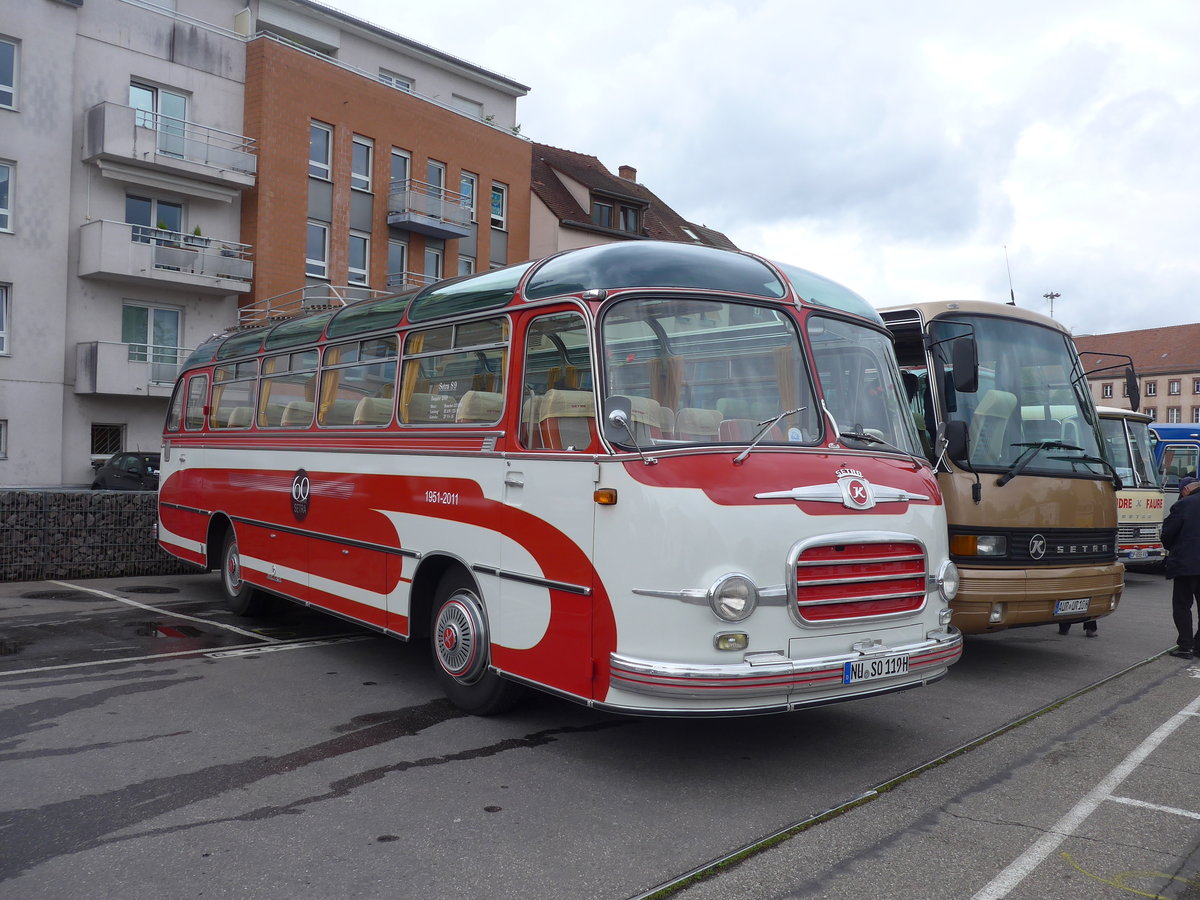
<point x="127" y="472"/>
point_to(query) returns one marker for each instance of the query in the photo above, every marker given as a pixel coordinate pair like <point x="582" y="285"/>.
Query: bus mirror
<point x="618" y="420"/>
<point x="965" y="359"/>
<point x="1132" y="389"/>
<point x="958" y="439"/>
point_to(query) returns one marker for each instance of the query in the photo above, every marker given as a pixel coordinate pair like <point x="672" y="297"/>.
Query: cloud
<point x="897" y="147"/>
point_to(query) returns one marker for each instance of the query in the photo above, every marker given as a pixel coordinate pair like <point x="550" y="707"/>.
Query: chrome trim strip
<point x="766" y="676"/>
<point x="773" y="595"/>
<point x="533" y="579"/>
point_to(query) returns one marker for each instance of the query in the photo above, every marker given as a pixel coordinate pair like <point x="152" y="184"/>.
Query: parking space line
<point x="1129" y="801"/>
<point x="111" y="662"/>
<point x="164" y="612"/>
<point x="1016" y="872"/>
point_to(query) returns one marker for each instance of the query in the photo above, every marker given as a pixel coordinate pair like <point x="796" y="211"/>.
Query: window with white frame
<point x="362" y="151"/>
<point x="499" y="205"/>
<point x="1196" y="414"/>
<point x="433" y="264"/>
<point x="468" y="186"/>
<point x="435" y="177"/>
<point x="152" y="333"/>
<point x="392" y="79"/>
<point x="1173" y="414"/>
<point x="359" y="265"/>
<point x="320" y="150"/>
<point x="8" y="73"/>
<point x="397" y="264"/>
<point x="6" y="194"/>
<point x="1151" y="388"/>
<point x="163" y="110"/>
<point x="401" y="165"/>
<point x="5" y="317"/>
<point x="316" y="253"/>
<point x="1196" y="385"/>
<point x="466" y="265"/>
<point x="153" y="220"/>
<point x="1106" y="389"/>
<point x="1173" y="387"/>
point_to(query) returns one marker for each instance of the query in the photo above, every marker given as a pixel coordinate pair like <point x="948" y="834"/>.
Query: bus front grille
<point x="855" y="580"/>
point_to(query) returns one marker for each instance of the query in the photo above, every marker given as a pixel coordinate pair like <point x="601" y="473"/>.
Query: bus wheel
<point x="242" y="598"/>
<point x="461" y="648"/>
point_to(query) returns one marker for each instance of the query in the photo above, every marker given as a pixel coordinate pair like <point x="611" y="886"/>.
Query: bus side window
<point x="197" y="398"/>
<point x="558" y="408"/>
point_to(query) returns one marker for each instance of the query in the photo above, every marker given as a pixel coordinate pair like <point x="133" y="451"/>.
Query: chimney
<point x="629" y="173"/>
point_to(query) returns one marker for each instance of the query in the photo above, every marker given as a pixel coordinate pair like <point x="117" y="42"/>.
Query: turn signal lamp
<point x="605" y="496"/>
<point x="978" y="545"/>
<point x="731" y="640"/>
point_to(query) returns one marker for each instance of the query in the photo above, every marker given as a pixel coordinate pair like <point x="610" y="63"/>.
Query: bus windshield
<point x="1127" y="443"/>
<point x="703" y="371"/>
<point x="1031" y="408"/>
<point x="861" y="385"/>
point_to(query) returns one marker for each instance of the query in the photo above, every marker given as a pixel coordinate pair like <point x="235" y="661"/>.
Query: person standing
<point x="1181" y="538"/>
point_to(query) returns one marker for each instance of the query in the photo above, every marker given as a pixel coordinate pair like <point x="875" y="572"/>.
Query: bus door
<point x="1177" y="459"/>
<point x="544" y="626"/>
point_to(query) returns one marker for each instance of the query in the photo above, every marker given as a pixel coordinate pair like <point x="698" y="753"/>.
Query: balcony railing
<point x="302" y="301"/>
<point x="108" y="367"/>
<point x="125" y="252"/>
<point x="403" y="281"/>
<point x="427" y="209"/>
<point x="151" y="141"/>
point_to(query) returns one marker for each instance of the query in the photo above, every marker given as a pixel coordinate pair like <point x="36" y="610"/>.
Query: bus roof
<point x="627" y="264"/>
<point x="931" y="309"/>
<point x="1119" y="412"/>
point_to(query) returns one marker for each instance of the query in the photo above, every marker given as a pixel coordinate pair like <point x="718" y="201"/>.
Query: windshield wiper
<point x="1103" y="463"/>
<point x="870" y="439"/>
<point x="764" y="427"/>
<point x="1027" y="455"/>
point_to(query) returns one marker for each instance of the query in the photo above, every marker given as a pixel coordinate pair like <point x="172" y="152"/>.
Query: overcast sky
<point x="898" y="148"/>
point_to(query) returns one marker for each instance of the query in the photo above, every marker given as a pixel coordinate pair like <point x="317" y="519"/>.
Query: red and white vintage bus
<point x="747" y="526"/>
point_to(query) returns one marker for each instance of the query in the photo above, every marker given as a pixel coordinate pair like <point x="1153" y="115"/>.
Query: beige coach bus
<point x="1001" y="400"/>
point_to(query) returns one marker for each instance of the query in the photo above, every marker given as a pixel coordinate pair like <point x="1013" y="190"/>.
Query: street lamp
<point x="1052" y="296"/>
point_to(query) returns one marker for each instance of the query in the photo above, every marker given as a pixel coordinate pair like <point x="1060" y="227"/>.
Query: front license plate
<point x="868" y="669"/>
<point x="1067" y="607"/>
<point x="1137" y="554"/>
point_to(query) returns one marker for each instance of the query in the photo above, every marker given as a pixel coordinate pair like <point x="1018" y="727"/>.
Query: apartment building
<point x="1167" y="363"/>
<point x="166" y="165"/>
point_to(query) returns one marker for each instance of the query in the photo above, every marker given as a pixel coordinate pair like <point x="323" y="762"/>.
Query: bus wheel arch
<point x="242" y="598"/>
<point x="461" y="646"/>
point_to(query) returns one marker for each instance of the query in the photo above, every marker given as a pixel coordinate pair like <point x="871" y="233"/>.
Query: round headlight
<point x="733" y="597"/>
<point x="947" y="580"/>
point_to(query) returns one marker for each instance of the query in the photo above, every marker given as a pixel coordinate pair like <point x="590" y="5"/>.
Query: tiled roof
<point x="1155" y="351"/>
<point x="659" y="222"/>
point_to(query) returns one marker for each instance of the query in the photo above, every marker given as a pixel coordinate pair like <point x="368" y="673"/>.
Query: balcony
<point x="118" y="251"/>
<point x="309" y="299"/>
<point x="425" y="209"/>
<point x="131" y="370"/>
<point x="136" y="145"/>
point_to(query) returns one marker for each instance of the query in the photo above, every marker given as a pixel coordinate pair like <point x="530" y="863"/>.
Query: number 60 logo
<point x="301" y="490"/>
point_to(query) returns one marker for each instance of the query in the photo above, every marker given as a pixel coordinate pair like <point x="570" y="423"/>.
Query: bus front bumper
<point x="773" y="674"/>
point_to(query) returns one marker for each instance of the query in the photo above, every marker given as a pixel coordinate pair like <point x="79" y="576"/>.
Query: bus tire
<point x="462" y="650"/>
<point x="242" y="598"/>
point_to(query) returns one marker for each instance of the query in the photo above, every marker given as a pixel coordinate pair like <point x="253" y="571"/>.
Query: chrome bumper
<point x="773" y="674"/>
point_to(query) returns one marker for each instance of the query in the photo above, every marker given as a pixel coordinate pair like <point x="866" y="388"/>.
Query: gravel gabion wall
<point x="81" y="534"/>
